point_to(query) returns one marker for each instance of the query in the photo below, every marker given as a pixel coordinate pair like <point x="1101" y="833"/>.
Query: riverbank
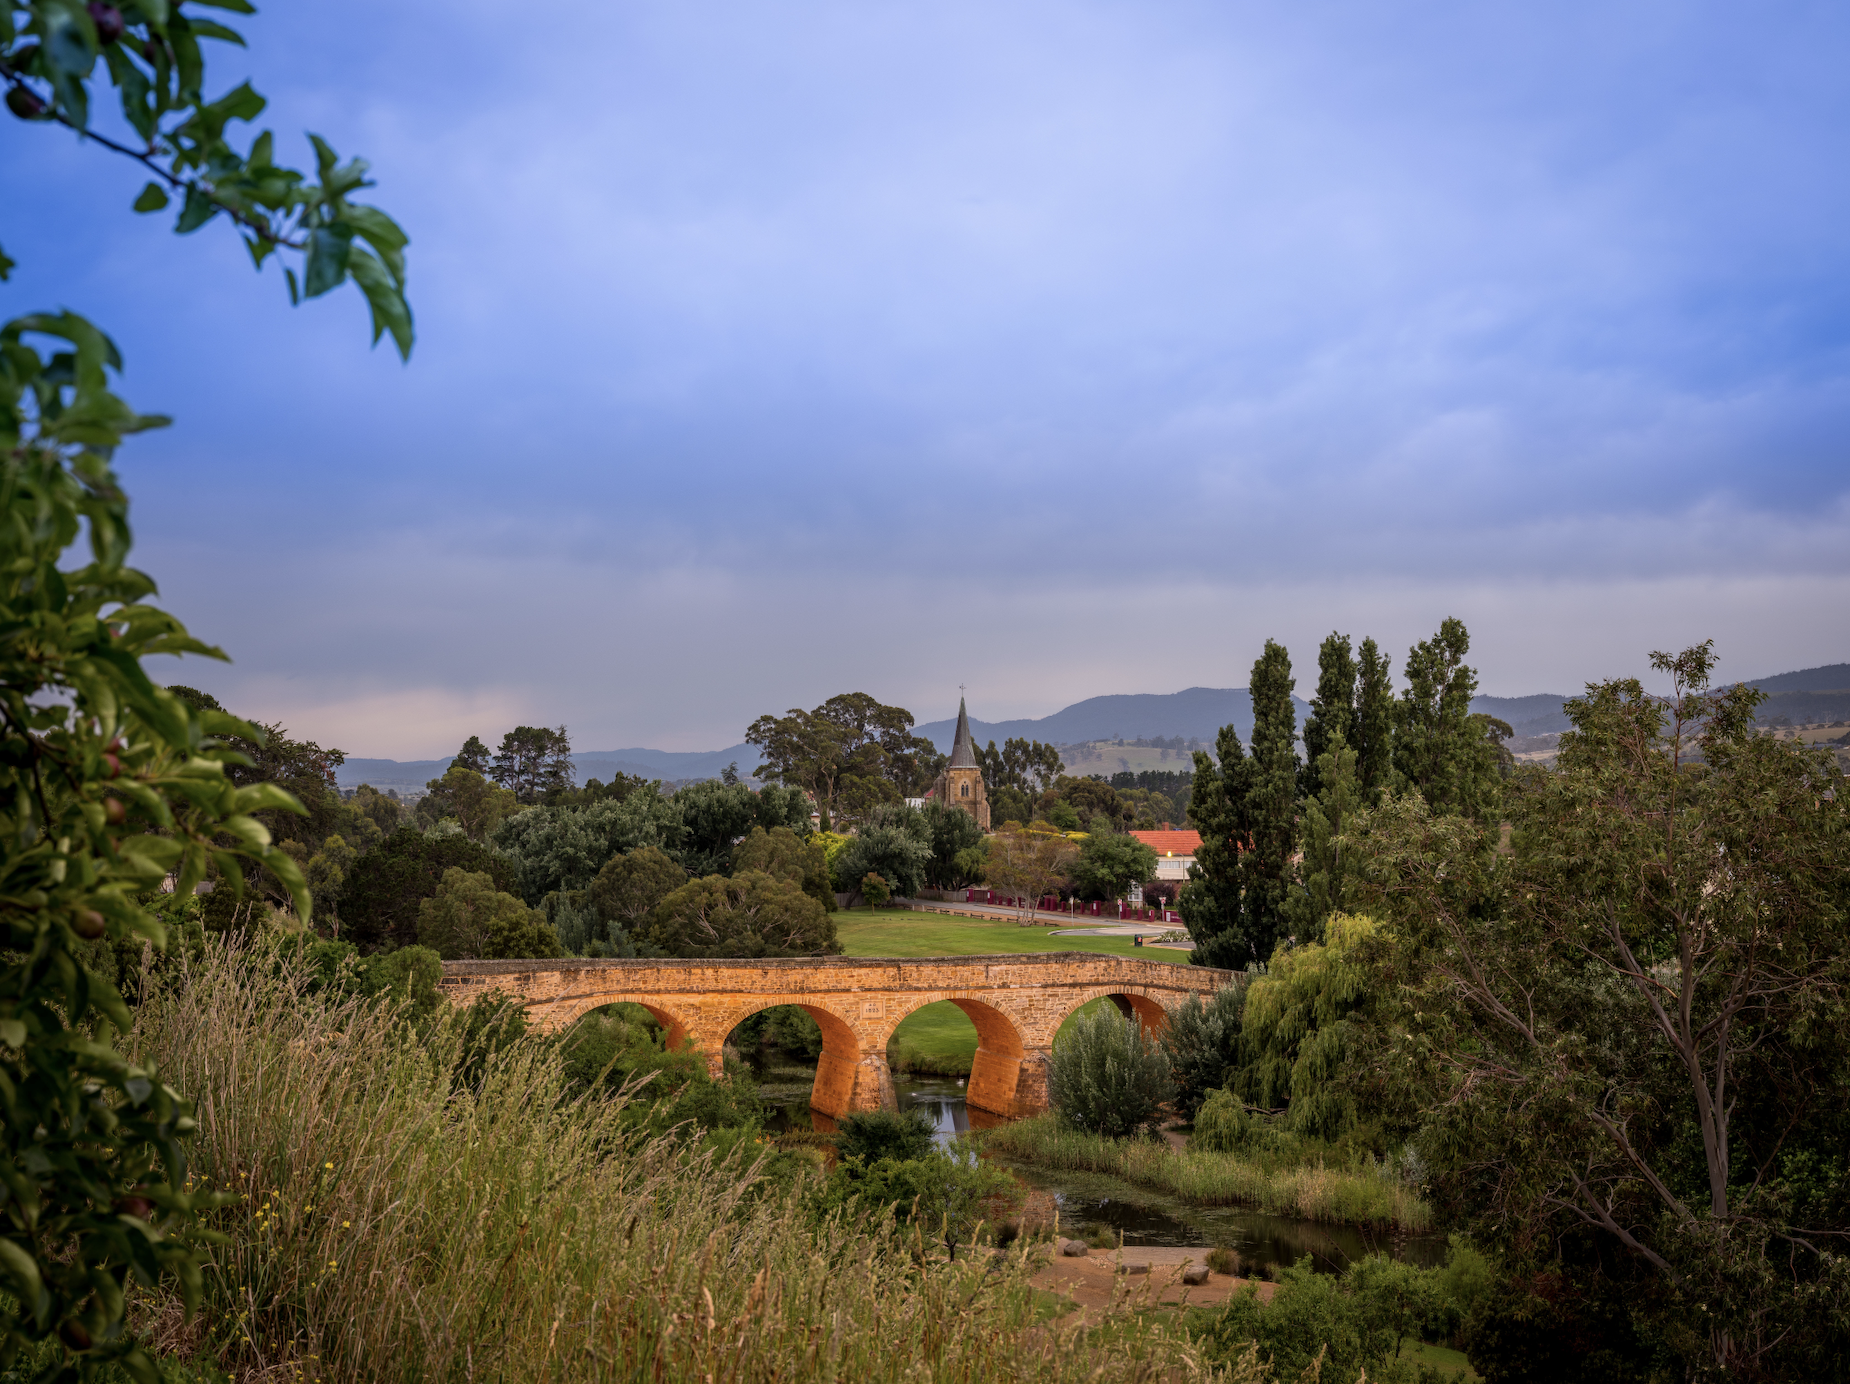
<point x="1364" y="1197"/>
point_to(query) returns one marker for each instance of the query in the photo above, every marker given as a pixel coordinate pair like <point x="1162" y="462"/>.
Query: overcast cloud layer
<point x="771" y="351"/>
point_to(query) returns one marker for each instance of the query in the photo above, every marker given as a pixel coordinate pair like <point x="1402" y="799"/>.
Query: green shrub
<point x="1108" y="1076"/>
<point x="1349" y="1324"/>
<point x="871" y="1135"/>
<point x="1225" y="1259"/>
<point x="946" y="1192"/>
<point x="1202" y="1043"/>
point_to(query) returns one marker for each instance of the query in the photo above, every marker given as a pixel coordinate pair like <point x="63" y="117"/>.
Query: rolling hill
<point x="1808" y="695"/>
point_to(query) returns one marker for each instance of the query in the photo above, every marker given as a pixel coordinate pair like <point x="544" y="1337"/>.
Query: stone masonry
<point x="1016" y="1002"/>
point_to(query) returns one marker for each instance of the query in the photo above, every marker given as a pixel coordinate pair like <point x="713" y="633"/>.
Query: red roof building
<point x="1175" y="851"/>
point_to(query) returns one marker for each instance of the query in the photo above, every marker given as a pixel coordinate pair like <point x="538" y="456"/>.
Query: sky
<point x="767" y="352"/>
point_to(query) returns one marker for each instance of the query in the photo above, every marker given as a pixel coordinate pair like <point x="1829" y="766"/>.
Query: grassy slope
<point x="943" y="1030"/>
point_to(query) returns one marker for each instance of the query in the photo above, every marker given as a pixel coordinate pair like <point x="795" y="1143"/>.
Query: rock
<point x="1133" y="1268"/>
<point x="1195" y="1273"/>
<point x="1075" y="1249"/>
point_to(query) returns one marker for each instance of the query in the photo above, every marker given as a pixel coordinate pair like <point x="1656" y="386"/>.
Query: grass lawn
<point x="1442" y="1358"/>
<point x="943" y="1031"/>
<point x="901" y="932"/>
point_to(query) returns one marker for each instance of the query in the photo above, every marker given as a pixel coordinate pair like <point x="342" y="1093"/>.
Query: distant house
<point x="1175" y="852"/>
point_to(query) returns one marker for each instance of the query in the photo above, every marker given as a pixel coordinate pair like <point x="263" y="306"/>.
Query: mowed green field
<point x="943" y="1030"/>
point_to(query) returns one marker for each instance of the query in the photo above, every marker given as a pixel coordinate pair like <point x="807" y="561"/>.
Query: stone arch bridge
<point x="1016" y="1002"/>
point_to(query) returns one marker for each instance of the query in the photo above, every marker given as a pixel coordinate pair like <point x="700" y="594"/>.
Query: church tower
<point x="961" y="783"/>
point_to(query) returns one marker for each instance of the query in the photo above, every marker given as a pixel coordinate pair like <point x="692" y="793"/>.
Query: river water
<point x="1142" y="1216"/>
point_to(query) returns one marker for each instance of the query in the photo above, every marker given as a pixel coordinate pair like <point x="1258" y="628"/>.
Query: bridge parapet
<point x="1017" y="1003"/>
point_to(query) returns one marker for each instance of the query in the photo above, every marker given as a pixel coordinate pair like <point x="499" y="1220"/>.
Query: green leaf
<point x="70" y="47"/>
<point x="295" y="291"/>
<point x="7" y="265"/>
<point x="328" y="251"/>
<point x="12" y="1033"/>
<point x="384" y="235"/>
<point x="391" y="313"/>
<point x="20" y="1267"/>
<point x="199" y="209"/>
<point x="205" y="28"/>
<point x="153" y="198"/>
<point x="235" y="6"/>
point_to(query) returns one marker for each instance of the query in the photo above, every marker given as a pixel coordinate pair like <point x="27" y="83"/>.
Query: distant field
<point x="900" y="932"/>
<point x="1103" y="757"/>
<point x="943" y="1031"/>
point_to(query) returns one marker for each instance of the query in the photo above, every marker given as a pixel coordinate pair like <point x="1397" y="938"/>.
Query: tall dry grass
<point x="397" y="1225"/>
<point x="1313" y="1192"/>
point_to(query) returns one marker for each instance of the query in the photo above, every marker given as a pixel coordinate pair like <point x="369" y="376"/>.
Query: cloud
<point x="1060" y="349"/>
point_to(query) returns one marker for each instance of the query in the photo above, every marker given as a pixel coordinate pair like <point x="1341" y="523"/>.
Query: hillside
<point x="1808" y="696"/>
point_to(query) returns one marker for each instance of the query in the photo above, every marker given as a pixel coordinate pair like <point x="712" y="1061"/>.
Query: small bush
<point x="871" y="1135"/>
<point x="1202" y="1043"/>
<point x="1108" y="1076"/>
<point x="1225" y="1259"/>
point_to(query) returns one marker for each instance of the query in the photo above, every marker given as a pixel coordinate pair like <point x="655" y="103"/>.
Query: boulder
<point x="1195" y="1273"/>
<point x="1133" y="1268"/>
<point x="1075" y="1249"/>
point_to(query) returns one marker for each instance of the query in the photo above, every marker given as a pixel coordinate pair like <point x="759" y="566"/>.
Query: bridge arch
<point x="838" y="1066"/>
<point x="677" y="1027"/>
<point x="1001" y="1048"/>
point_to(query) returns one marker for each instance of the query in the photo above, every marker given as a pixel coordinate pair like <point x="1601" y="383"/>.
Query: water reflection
<point x="1143" y="1217"/>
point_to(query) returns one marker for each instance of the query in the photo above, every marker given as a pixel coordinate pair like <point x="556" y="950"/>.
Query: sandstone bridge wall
<point x="1016" y="1002"/>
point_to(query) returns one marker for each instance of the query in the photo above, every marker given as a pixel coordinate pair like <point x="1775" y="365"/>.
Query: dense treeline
<point x="1596" y="1010"/>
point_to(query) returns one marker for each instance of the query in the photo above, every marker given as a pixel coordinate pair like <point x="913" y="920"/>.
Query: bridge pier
<point x="1012" y="1085"/>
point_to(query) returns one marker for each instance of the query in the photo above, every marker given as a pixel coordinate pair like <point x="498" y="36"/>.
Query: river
<point x="1140" y="1215"/>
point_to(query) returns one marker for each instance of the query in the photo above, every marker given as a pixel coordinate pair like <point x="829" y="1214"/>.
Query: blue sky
<point x="770" y="351"/>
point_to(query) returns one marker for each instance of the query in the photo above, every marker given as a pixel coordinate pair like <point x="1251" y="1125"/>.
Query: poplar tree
<point x="1322" y="822"/>
<point x="1373" y="735"/>
<point x="1438" y="748"/>
<point x="1332" y="710"/>
<point x="1271" y="799"/>
<point x="1210" y="902"/>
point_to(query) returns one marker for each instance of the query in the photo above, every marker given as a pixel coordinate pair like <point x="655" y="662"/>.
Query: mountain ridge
<point x="1195" y="713"/>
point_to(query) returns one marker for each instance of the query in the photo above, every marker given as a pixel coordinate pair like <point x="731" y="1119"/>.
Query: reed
<point x="396" y="1223"/>
<point x="1311" y="1191"/>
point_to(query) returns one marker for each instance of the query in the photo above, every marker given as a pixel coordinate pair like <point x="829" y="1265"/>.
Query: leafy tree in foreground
<point x="1633" y="1028"/>
<point x="111" y="783"/>
<point x="1107" y="1075"/>
<point x="49" y="52"/>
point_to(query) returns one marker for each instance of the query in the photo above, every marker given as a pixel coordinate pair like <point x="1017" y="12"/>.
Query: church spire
<point x="963" y="749"/>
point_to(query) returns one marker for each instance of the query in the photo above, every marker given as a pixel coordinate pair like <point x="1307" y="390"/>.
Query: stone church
<point x="961" y="783"/>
